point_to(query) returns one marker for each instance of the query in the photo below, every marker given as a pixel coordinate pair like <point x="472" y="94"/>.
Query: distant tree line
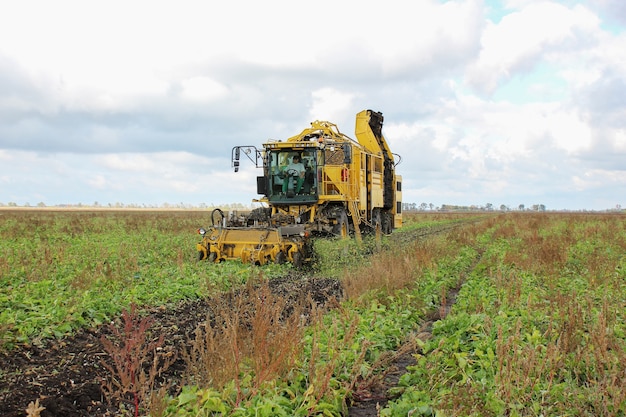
<point x="118" y="205"/>
<point x="243" y="207"/>
<point x="473" y="207"/>
<point x="487" y="207"/>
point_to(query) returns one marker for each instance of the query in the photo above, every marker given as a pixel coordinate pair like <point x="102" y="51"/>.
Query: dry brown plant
<point x="251" y="332"/>
<point x="276" y="334"/>
<point x="392" y="270"/>
<point x="212" y="358"/>
<point x="158" y="401"/>
<point x="181" y="260"/>
<point x="604" y="356"/>
<point x="135" y="361"/>
<point x="322" y="365"/>
<point x="520" y="366"/>
<point x="583" y="351"/>
<point x="466" y="235"/>
<point x="509" y="285"/>
<point x="34" y="409"/>
<point x="570" y="319"/>
<point x="538" y="253"/>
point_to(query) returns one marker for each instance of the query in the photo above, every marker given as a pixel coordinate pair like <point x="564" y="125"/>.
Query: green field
<point x="504" y="314"/>
<point x="61" y="270"/>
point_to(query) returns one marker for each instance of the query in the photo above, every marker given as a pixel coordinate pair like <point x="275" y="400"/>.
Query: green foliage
<point x="335" y="255"/>
<point x="348" y="344"/>
<point x="60" y="271"/>
<point x="537" y="328"/>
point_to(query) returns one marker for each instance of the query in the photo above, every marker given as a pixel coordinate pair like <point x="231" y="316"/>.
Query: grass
<point x="341" y="351"/>
<point x="62" y="270"/>
<point x="538" y="326"/>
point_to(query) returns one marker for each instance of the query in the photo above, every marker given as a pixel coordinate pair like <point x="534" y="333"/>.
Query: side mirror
<point x="261" y="185"/>
<point x="236" y="159"/>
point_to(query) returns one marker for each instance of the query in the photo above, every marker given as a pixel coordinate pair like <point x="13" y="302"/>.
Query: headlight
<point x="201" y="231"/>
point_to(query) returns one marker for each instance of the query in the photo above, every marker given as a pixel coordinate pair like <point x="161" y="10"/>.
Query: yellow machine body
<point x="255" y="245"/>
<point x="317" y="182"/>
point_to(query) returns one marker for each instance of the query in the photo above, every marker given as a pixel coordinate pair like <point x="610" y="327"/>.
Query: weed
<point x="61" y="270"/>
<point x="392" y="270"/>
<point x="250" y="332"/>
<point x="538" y="326"/>
<point x="552" y="285"/>
<point x="130" y="350"/>
<point x="34" y="409"/>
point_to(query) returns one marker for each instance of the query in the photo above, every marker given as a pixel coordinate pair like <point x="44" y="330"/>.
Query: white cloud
<point x="619" y="139"/>
<point x="143" y="101"/>
<point x="524" y="37"/>
<point x="569" y="132"/>
<point x="128" y="162"/>
<point x="329" y="102"/>
<point x="595" y="178"/>
<point x="98" y="182"/>
<point x="203" y="89"/>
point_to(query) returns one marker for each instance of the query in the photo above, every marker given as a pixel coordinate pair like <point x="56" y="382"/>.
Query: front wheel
<point x="281" y="258"/>
<point x="377" y="221"/>
<point x="387" y="223"/>
<point x="297" y="260"/>
<point x="341" y="228"/>
<point x="200" y="255"/>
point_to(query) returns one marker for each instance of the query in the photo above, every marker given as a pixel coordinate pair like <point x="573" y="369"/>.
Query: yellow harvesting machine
<point x="319" y="182"/>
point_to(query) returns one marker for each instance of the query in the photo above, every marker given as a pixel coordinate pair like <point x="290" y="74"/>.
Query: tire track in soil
<point x="370" y="399"/>
<point x="371" y="396"/>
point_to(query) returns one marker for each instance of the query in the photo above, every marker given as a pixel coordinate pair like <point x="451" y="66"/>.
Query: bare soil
<point x="67" y="375"/>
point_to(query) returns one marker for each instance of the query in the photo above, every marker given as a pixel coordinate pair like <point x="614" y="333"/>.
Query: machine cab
<point x="291" y="176"/>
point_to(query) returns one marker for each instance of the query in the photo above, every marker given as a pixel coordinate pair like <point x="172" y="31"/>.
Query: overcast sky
<point x="140" y="102"/>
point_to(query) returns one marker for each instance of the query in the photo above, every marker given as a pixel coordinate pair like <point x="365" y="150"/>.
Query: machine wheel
<point x="281" y="258"/>
<point x="377" y="221"/>
<point x="341" y="228"/>
<point x="297" y="260"/>
<point x="387" y="224"/>
<point x="200" y="255"/>
<point x="212" y="256"/>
